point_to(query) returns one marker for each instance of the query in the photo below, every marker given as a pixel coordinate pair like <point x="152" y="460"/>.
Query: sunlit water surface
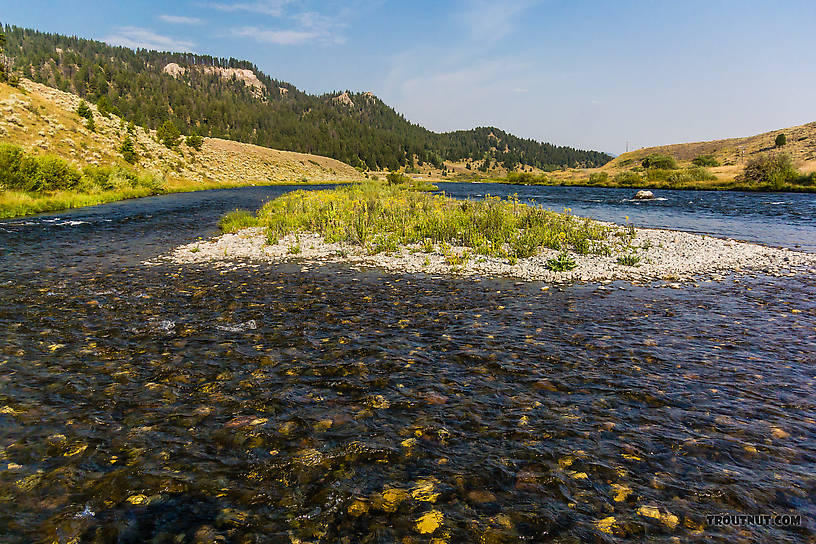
<point x="272" y="404"/>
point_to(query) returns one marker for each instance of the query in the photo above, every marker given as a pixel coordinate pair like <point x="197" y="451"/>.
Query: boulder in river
<point x="644" y="195"/>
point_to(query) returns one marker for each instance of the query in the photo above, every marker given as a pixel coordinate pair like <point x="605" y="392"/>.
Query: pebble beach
<point x="666" y="256"/>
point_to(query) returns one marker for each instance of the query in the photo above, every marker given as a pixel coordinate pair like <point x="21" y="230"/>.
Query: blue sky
<point x="586" y="74"/>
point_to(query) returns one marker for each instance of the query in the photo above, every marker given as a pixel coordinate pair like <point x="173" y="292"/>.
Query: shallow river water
<point x="276" y="404"/>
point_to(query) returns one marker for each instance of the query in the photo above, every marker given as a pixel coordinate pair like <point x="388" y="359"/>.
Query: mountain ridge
<point x="354" y="127"/>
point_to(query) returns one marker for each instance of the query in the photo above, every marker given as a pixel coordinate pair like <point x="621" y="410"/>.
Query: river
<point x="275" y="404"/>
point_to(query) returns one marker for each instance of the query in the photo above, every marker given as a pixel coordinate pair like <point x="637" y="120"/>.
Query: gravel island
<point x="670" y="256"/>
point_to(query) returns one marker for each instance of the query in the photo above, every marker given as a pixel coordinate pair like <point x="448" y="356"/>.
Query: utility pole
<point x="627" y="146"/>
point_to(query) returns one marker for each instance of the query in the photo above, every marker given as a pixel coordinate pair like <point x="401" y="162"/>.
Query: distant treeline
<point x="368" y="134"/>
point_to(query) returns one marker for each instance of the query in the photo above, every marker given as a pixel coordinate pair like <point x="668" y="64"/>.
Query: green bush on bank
<point x="678" y="177"/>
<point x="706" y="160"/>
<point x="658" y="160"/>
<point x="21" y="171"/>
<point x="596" y="178"/>
<point x="397" y="178"/>
<point x="772" y="170"/>
<point x="527" y="178"/>
<point x="629" y="179"/>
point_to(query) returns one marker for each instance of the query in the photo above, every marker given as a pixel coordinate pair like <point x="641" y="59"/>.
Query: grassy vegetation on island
<point x="384" y="217"/>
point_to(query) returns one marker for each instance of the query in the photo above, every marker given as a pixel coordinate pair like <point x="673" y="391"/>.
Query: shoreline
<point x="670" y="256"/>
<point x="727" y="186"/>
<point x="14" y="204"/>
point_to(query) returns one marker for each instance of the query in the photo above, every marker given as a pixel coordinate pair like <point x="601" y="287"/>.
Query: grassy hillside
<point x="44" y="121"/>
<point x="232" y="99"/>
<point x="40" y="118"/>
<point x="716" y="164"/>
<point x="732" y="153"/>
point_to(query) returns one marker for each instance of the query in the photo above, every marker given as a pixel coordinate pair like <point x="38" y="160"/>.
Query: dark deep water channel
<point x="271" y="404"/>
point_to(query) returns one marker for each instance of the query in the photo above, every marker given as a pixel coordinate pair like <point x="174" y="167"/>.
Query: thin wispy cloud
<point x="273" y="8"/>
<point x="179" y="20"/>
<point x="137" y="37"/>
<point x="278" y="37"/>
<point x="489" y="20"/>
<point x="302" y="28"/>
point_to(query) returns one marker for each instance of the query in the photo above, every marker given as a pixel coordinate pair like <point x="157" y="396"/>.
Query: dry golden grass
<point x="731" y="153"/>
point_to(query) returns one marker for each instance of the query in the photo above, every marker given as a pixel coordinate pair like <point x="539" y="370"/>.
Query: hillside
<point x="44" y="120"/>
<point x="232" y="99"/>
<point x="732" y="153"/>
<point x="722" y="166"/>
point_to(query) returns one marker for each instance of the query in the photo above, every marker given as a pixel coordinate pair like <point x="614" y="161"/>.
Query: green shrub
<point x="151" y="180"/>
<point x="700" y="173"/>
<point x="690" y="175"/>
<point x="128" y="151"/>
<point x="562" y="263"/>
<point x="30" y="173"/>
<point x="773" y="170"/>
<point x="94" y="178"/>
<point x="20" y="171"/>
<point x="396" y="178"/>
<point x="237" y="220"/>
<point x="54" y="173"/>
<point x="706" y="160"/>
<point x="168" y="134"/>
<point x="627" y="179"/>
<point x="84" y="111"/>
<point x="526" y="178"/>
<point x="195" y="141"/>
<point x="91" y="125"/>
<point x="10" y="158"/>
<point x="103" y="106"/>
<point x="629" y="260"/>
<point x="654" y="175"/>
<point x="780" y="140"/>
<point x="598" y="177"/>
<point x="658" y="160"/>
<point x="806" y="179"/>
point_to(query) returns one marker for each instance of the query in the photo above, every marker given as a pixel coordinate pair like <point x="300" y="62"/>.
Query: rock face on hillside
<point x="248" y="77"/>
<point x="344" y="100"/>
<point x="174" y="70"/>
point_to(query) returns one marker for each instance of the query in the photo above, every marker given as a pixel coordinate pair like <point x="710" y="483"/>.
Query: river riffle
<point x="273" y="403"/>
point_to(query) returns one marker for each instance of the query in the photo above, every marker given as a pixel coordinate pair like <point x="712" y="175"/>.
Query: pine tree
<point x="195" y="141"/>
<point x="128" y="151"/>
<point x="83" y="110"/>
<point x="168" y="134"/>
